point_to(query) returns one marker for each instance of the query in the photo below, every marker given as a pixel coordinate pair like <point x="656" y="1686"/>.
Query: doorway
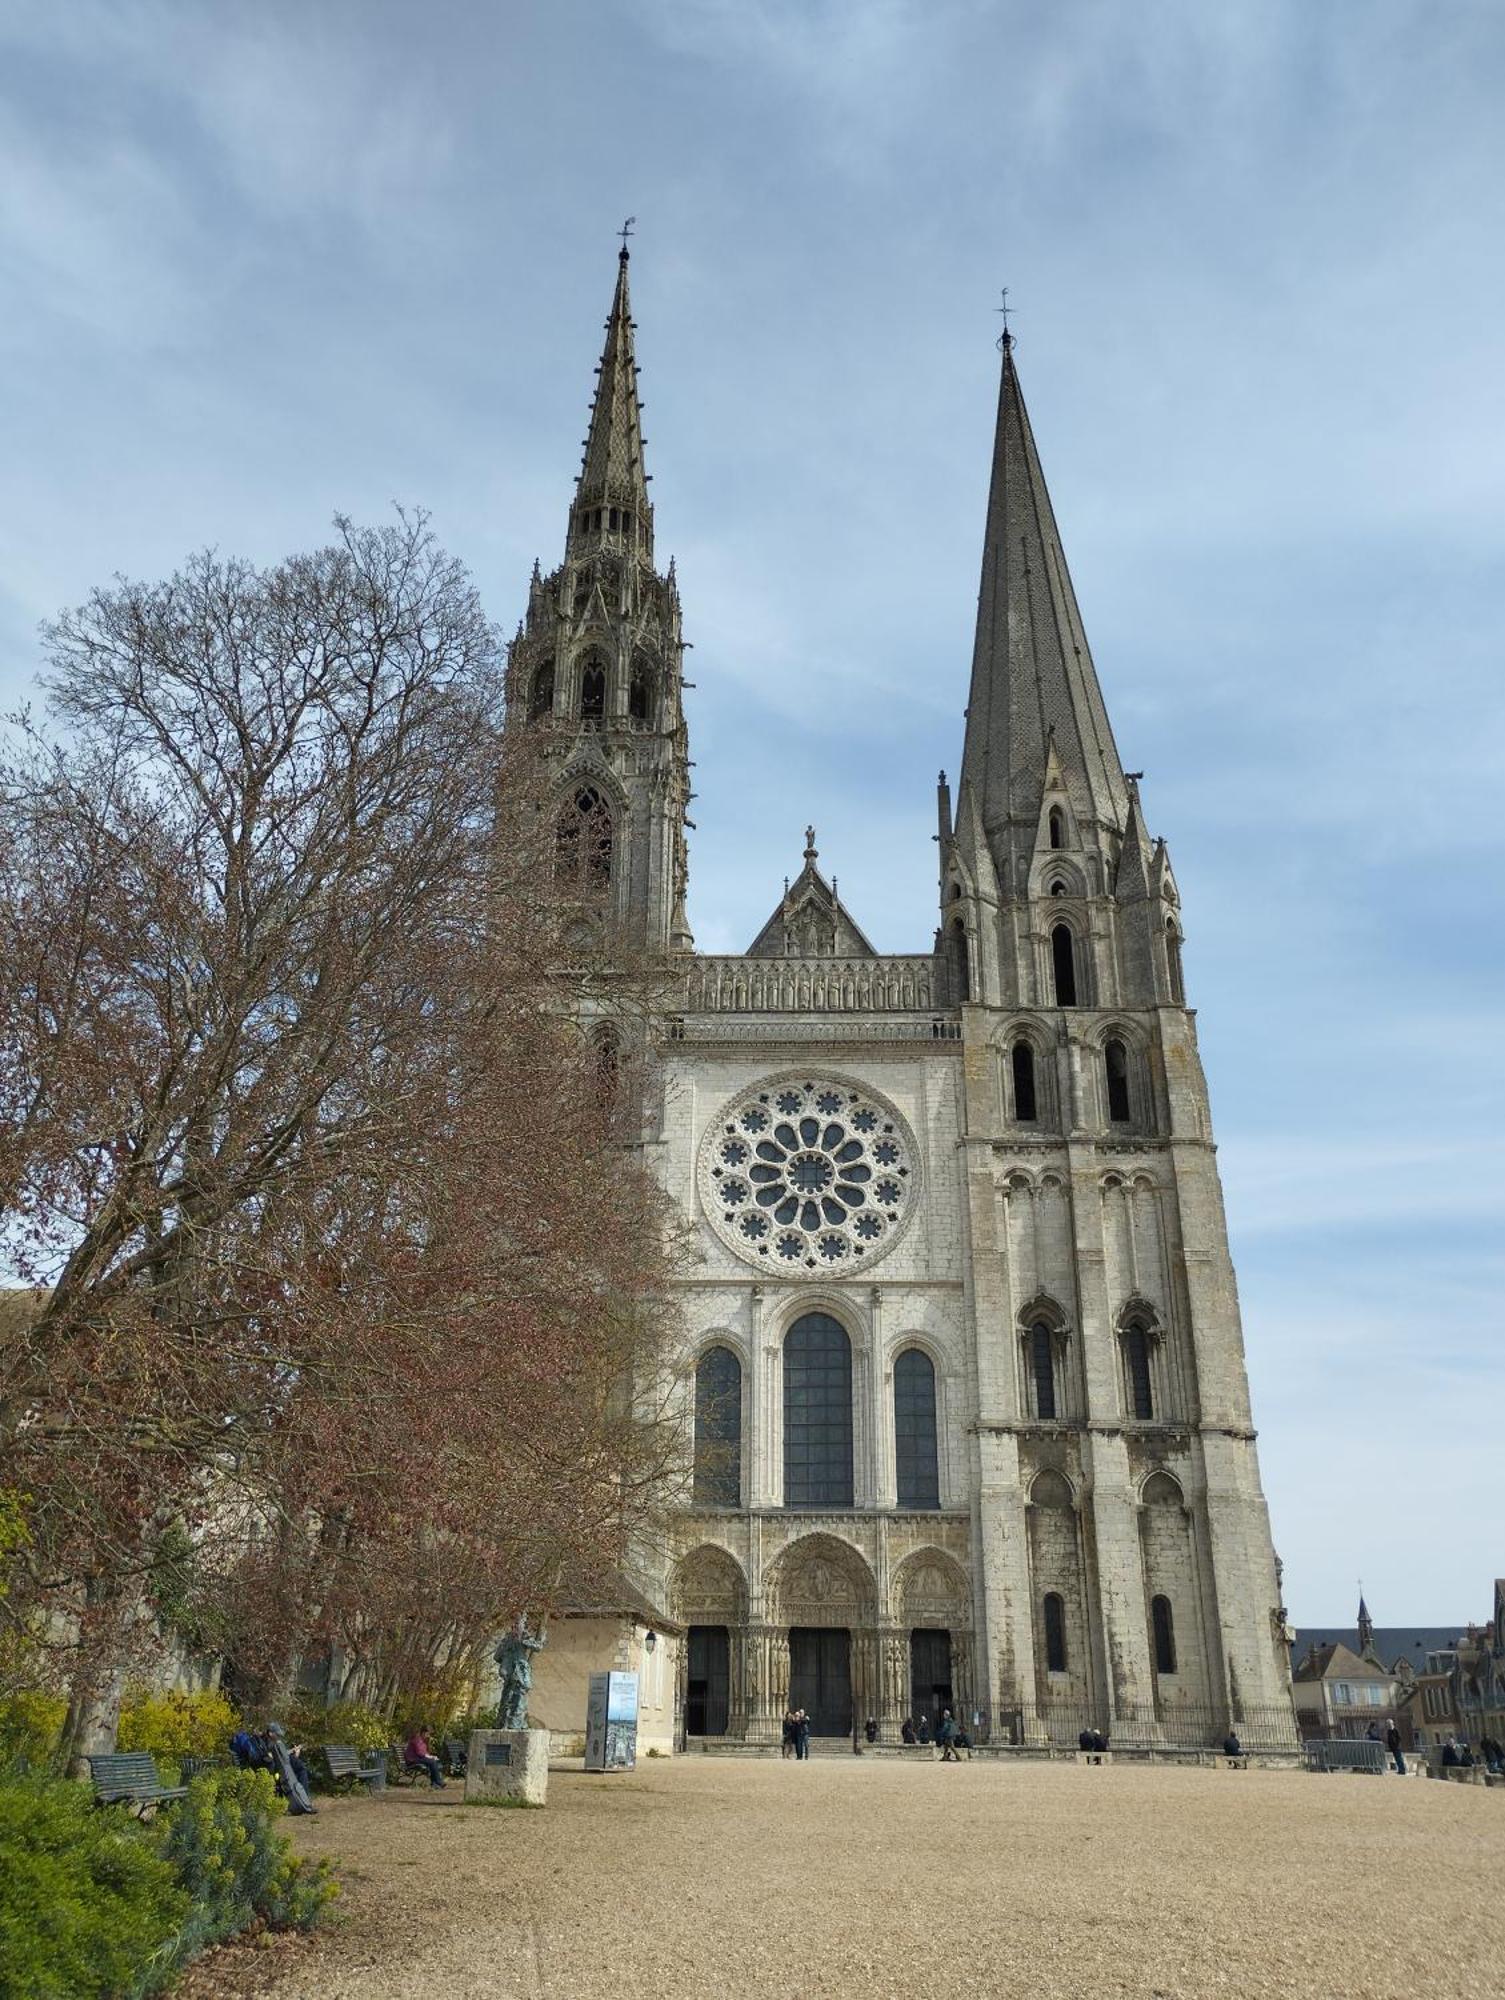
<point x="930" y="1675"/>
<point x="820" y="1678"/>
<point x="707" y="1680"/>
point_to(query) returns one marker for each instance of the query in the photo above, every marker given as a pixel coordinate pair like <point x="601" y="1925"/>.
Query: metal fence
<point x="1180" y="1725"/>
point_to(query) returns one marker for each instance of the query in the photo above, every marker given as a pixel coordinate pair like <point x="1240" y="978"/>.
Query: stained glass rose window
<point x="808" y="1174"/>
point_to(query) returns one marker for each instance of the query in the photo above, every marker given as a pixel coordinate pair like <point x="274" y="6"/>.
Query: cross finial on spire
<point x="625" y="231"/>
<point x="1005" y="339"/>
<point x="809" y="843"/>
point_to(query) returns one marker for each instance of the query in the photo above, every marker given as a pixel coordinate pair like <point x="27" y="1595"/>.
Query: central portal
<point x="820" y="1678"/>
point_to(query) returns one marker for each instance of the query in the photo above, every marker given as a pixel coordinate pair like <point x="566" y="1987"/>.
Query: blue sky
<point x="266" y="262"/>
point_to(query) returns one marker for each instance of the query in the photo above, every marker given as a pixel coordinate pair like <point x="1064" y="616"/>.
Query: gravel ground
<point x="870" y="1877"/>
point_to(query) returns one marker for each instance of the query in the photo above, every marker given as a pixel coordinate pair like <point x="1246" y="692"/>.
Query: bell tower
<point x="597" y="662"/>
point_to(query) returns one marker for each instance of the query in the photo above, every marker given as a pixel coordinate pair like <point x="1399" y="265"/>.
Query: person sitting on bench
<point x="1231" y="1745"/>
<point x="418" y="1756"/>
<point x="907" y="1733"/>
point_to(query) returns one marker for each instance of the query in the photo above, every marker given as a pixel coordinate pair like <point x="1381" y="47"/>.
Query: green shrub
<point x="94" y="1905"/>
<point x="177" y="1725"/>
<point x="311" y="1723"/>
<point x="31" y="1727"/>
<point x="87" y="1904"/>
<point x="231" y="1856"/>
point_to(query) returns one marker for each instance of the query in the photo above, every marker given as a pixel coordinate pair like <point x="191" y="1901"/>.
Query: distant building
<point x="1339" y="1693"/>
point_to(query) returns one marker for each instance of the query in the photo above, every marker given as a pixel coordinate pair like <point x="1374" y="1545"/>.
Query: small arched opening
<point x="1063" y="964"/>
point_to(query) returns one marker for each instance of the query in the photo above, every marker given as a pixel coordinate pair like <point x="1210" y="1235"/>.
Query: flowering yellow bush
<point x="30" y="1724"/>
<point x="177" y="1724"/>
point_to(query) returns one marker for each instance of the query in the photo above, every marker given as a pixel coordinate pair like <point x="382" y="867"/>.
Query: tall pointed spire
<point x="611" y="472"/>
<point x="1032" y="671"/>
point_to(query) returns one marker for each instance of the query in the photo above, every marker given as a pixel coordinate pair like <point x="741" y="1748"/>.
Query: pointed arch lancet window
<point x="582" y="845"/>
<point x="1116" y="1068"/>
<point x="961" y="969"/>
<point x="1057" y="827"/>
<point x="1022" y="1060"/>
<point x="817" y="1413"/>
<point x="1042" y="1363"/>
<point x="718" y="1429"/>
<point x="592" y="692"/>
<point x="1163" y="1624"/>
<point x="606" y="1052"/>
<point x="640" y="693"/>
<point x="541" y="694"/>
<point x="1173" y="960"/>
<point x="915" y="1456"/>
<point x="1055" y="1633"/>
<point x="1137" y="1360"/>
<point x="1063" y="964"/>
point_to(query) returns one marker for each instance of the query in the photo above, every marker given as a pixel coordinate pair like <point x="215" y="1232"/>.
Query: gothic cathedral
<point x="963" y="1365"/>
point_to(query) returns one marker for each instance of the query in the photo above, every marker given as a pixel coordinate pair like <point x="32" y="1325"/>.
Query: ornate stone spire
<point x="612" y="492"/>
<point x="1032" y="672"/>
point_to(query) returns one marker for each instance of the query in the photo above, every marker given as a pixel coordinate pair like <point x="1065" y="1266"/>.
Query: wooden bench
<point x="130" y="1778"/>
<point x="345" y="1767"/>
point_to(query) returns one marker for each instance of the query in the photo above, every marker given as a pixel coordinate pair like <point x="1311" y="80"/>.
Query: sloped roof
<point x="1390" y="1643"/>
<point x="1336" y="1662"/>
<point x="811" y="917"/>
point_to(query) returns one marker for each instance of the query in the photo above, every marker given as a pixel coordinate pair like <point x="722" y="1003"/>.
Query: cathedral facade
<point x="963" y="1370"/>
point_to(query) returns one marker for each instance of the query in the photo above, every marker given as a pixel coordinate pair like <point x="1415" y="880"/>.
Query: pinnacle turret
<point x="611" y="495"/>
<point x="1032" y="672"/>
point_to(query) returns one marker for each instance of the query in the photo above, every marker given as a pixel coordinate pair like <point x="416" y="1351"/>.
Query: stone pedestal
<point x="508" y="1764"/>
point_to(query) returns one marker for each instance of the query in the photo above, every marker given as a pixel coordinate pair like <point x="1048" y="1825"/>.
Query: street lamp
<point x="650" y="1640"/>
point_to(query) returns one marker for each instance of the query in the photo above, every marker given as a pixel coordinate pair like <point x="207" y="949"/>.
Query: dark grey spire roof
<point x="612" y="469"/>
<point x="1032" y="671"/>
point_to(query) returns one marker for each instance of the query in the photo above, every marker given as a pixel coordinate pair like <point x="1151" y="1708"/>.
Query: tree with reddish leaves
<point x="338" y="1272"/>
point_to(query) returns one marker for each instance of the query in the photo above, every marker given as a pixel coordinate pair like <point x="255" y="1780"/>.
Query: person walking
<point x="1393" y="1745"/>
<point x="946" y="1737"/>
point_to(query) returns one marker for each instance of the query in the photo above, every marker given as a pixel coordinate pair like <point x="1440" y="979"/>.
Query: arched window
<point x="592" y="691"/>
<point x="1137" y="1362"/>
<point x="1042" y="1363"/>
<point x="582" y="845"/>
<point x="640" y="692"/>
<point x="1022" y="1060"/>
<point x="1057" y="827"/>
<point x="1063" y="964"/>
<point x="541" y="694"/>
<point x="1173" y="960"/>
<point x="817" y="1413"/>
<point x="915" y="1456"/>
<point x="718" y="1429"/>
<point x="1116" y="1067"/>
<point x="961" y="971"/>
<point x="1164" y="1626"/>
<point x="1055" y="1633"/>
<point x="1058" y="888"/>
<point x="606" y="1053"/>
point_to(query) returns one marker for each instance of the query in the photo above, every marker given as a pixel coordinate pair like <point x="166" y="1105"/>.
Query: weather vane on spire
<point x="625" y="231"/>
<point x="1005" y="338"/>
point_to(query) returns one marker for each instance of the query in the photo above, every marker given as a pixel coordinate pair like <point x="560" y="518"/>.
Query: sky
<point x="267" y="262"/>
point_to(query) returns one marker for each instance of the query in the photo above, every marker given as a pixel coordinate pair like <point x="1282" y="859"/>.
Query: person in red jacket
<point x="418" y="1756"/>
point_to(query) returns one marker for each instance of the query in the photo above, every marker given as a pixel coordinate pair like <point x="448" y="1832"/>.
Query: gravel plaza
<point x="874" y="1876"/>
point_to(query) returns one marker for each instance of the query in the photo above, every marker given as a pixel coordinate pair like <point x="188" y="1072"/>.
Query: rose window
<point x="809" y="1175"/>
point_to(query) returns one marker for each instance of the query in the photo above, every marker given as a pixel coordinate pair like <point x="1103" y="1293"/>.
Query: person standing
<point x="787" y="1749"/>
<point x="802" y="1735"/>
<point x="1393" y="1745"/>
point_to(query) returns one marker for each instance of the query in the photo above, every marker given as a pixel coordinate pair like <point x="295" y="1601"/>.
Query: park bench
<point x="345" y="1767"/>
<point x="1340" y="1754"/>
<point x="1238" y="1763"/>
<point x="1094" y="1756"/>
<point x="130" y="1778"/>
